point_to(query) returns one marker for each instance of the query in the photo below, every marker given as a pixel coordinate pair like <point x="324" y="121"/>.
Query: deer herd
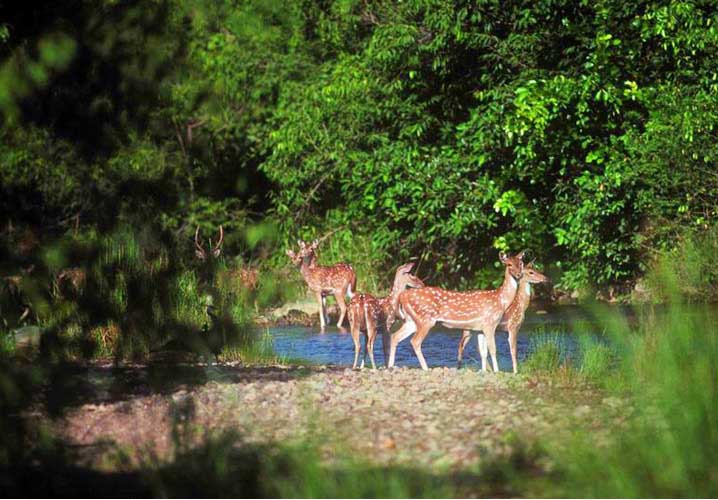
<point x="422" y="307"/>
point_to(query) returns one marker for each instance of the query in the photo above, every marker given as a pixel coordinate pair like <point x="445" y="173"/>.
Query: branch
<point x="327" y="235"/>
<point x="308" y="198"/>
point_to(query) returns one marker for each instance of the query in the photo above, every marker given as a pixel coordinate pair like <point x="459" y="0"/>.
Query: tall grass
<point x="664" y="368"/>
<point x="139" y="294"/>
<point x="219" y="468"/>
<point x="668" y="371"/>
<point x="689" y="269"/>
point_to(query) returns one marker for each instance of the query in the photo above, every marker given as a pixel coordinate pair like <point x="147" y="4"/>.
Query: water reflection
<point x="440" y="347"/>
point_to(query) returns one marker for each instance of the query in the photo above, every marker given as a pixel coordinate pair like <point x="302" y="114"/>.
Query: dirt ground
<point x="443" y="417"/>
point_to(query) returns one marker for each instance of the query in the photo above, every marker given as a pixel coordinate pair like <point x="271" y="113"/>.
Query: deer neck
<point x="308" y="266"/>
<point x="392" y="301"/>
<point x="523" y="294"/>
<point x="508" y="290"/>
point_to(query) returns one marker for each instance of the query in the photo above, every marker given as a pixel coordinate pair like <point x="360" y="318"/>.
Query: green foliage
<point x="689" y="269"/>
<point x="546" y="355"/>
<point x="440" y="130"/>
<point x="597" y="360"/>
<point x="452" y="128"/>
<point x="668" y="390"/>
<point x="24" y="71"/>
<point x="123" y="295"/>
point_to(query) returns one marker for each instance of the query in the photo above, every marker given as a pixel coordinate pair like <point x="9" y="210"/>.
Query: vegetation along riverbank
<point x="180" y="178"/>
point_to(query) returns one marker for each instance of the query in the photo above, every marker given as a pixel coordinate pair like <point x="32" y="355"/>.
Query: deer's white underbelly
<point x="468" y="324"/>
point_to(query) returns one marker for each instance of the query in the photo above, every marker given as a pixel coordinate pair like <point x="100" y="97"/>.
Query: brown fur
<point x="475" y="310"/>
<point x="367" y="312"/>
<point x="338" y="280"/>
<point x="513" y="318"/>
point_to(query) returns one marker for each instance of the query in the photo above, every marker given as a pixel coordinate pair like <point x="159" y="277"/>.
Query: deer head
<point x="404" y="279"/>
<point x="214" y="250"/>
<point x="515" y="264"/>
<point x="531" y="275"/>
<point x="307" y="252"/>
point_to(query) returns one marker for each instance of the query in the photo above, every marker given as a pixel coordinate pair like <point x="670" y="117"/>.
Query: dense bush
<point x="585" y="131"/>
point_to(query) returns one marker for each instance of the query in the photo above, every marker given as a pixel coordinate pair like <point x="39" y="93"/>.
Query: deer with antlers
<point x="366" y="313"/>
<point x="214" y="250"/>
<point x="481" y="310"/>
<point x="339" y="279"/>
<point x="512" y="319"/>
<point x="216" y="337"/>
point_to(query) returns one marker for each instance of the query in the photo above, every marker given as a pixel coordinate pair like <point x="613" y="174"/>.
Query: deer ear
<point x="200" y="254"/>
<point x="502" y="257"/>
<point x="315" y="244"/>
<point x="520" y="255"/>
<point x="407" y="267"/>
<point x="217" y="251"/>
<point x="416" y="282"/>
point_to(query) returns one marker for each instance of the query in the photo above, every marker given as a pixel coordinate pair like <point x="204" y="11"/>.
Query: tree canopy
<point x="583" y="131"/>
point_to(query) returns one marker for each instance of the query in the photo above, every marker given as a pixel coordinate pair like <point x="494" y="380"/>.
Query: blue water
<point x="440" y="346"/>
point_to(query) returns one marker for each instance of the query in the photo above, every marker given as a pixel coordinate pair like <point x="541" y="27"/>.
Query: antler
<point x="221" y="238"/>
<point x="200" y="251"/>
<point x="214" y="248"/>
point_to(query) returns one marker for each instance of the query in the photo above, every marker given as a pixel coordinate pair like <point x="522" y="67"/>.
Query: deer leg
<point x="385" y="344"/>
<point x="491" y="341"/>
<point x="370" y="338"/>
<point x="465" y="337"/>
<point x="416" y="341"/>
<point x="339" y="296"/>
<point x="357" y="343"/>
<point x="321" y="300"/>
<point x="483" y="350"/>
<point x="326" y="311"/>
<point x="406" y="329"/>
<point x="513" y="334"/>
<point x="366" y="346"/>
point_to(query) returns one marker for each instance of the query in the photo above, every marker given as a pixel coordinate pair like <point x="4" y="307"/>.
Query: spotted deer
<point x="367" y="313"/>
<point x="216" y="337"/>
<point x="214" y="249"/>
<point x="482" y="310"/>
<point x="513" y="317"/>
<point x="339" y="279"/>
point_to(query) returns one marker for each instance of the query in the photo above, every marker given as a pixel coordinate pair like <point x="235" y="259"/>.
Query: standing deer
<point x="366" y="313"/>
<point x="482" y="310"/>
<point x="215" y="340"/>
<point x="339" y="280"/>
<point x="513" y="317"/>
<point x="214" y="250"/>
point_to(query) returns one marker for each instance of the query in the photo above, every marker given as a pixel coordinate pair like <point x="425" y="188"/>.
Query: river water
<point x="439" y="348"/>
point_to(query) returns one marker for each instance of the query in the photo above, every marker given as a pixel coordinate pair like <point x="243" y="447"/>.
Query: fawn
<point x="366" y="313"/>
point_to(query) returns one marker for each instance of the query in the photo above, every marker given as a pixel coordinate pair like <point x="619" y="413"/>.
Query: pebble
<point x="402" y="415"/>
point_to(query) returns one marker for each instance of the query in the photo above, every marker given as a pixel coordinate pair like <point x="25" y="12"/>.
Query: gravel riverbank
<point x="443" y="417"/>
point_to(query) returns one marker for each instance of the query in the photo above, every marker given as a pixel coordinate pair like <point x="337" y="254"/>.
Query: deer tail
<point x="352" y="285"/>
<point x="400" y="310"/>
<point x="366" y="318"/>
